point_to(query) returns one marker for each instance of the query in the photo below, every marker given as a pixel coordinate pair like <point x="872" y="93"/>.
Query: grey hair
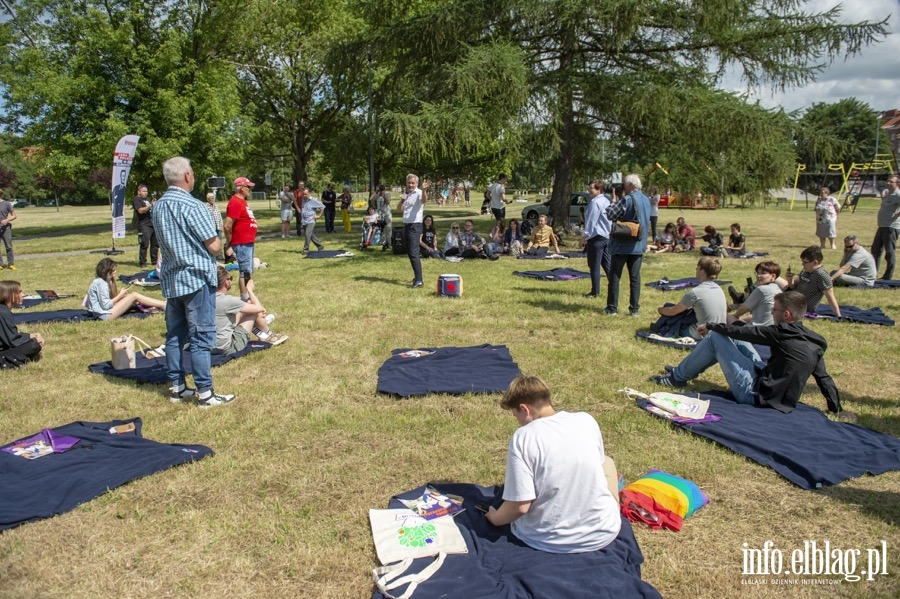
<point x="174" y="169"/>
<point x="634" y="179"/>
<point x="412" y="177"/>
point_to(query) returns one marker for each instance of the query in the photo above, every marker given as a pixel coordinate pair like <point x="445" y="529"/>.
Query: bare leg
<point x="124" y="304"/>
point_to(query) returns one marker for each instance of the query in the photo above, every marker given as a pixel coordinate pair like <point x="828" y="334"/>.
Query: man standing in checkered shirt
<point x="188" y="241"/>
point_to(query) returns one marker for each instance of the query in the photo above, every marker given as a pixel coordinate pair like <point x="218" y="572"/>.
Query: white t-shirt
<point x="497" y="191"/>
<point x="557" y="463"/>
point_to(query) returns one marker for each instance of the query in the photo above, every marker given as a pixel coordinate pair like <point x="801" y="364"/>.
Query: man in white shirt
<point x="498" y="197"/>
<point x="560" y="491"/>
<point x="413" y="209"/>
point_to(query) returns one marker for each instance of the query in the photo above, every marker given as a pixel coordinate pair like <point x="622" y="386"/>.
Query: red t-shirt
<point x="244" y="228"/>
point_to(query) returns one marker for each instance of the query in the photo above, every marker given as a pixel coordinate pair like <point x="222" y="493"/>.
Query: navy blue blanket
<point x="853" y="314"/>
<point x="453" y="370"/>
<point x="100" y="461"/>
<point x="546" y="256"/>
<point x="327" y="254"/>
<point x="138" y="276"/>
<point x="883" y="284"/>
<point x="804" y="446"/>
<point x="674" y="326"/>
<point x="153" y="370"/>
<point x="499" y="566"/>
<point x="555" y="274"/>
<point x="31" y="302"/>
<point x="676" y="284"/>
<point x="68" y="316"/>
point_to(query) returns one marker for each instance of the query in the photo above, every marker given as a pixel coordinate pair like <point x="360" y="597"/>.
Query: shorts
<point x="239" y="340"/>
<point x="286" y="215"/>
<point x="244" y="254"/>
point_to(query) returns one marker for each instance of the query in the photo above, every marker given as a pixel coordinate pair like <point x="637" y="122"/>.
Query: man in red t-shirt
<point x="684" y="236"/>
<point x="299" y="196"/>
<point x="240" y="231"/>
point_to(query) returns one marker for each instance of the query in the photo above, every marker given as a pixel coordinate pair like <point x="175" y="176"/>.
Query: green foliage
<point x="842" y="132"/>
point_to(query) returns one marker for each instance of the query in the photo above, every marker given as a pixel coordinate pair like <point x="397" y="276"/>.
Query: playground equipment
<point x="852" y="179"/>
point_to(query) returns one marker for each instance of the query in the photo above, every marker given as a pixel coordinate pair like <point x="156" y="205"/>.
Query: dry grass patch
<point x="309" y="447"/>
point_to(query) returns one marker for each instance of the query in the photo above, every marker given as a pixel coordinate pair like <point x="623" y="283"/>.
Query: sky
<point x="873" y="76"/>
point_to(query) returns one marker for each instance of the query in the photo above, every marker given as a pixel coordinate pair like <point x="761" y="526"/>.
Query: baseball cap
<point x="243" y="182"/>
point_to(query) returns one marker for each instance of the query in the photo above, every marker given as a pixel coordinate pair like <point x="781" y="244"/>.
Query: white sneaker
<point x="185" y="394"/>
<point x="270" y="318"/>
<point x="215" y="399"/>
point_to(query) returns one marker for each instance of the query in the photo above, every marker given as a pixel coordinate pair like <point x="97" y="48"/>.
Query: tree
<point x="842" y="132"/>
<point x="78" y="76"/>
<point x="634" y="69"/>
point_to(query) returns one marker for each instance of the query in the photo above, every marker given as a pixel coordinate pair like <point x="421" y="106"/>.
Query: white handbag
<point x="400" y="534"/>
<point x="122" y="351"/>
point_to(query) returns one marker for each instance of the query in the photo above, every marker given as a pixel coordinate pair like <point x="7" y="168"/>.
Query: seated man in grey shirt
<point x="857" y="266"/>
<point x="236" y="319"/>
<point x="706" y="299"/>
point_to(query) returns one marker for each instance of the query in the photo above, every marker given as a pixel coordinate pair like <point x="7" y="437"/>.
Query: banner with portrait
<point x="122" y="161"/>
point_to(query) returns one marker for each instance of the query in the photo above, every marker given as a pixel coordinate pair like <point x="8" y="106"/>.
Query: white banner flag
<point x="122" y="160"/>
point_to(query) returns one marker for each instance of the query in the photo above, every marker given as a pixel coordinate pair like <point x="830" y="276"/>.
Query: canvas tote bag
<point x="402" y="536"/>
<point x="122" y="350"/>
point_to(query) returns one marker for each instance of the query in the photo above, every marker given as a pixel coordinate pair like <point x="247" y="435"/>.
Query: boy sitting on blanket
<point x="560" y="494"/>
<point x="235" y="319"/>
<point x="797" y="353"/>
<point x="707" y="299"/>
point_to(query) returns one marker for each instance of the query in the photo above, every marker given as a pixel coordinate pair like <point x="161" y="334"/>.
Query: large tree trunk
<point x="298" y="151"/>
<point x="565" y="164"/>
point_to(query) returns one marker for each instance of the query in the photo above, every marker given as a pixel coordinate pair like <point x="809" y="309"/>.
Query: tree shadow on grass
<point x="883" y="505"/>
<point x="371" y="279"/>
<point x="558" y="306"/>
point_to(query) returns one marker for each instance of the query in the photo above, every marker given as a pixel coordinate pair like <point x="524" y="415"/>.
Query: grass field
<point x="308" y="446"/>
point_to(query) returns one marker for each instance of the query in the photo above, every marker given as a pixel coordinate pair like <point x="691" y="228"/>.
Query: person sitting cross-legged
<point x="797" y="353"/>
<point x="857" y="266"/>
<point x="236" y="319"/>
<point x="473" y="245"/>
<point x="706" y="299"/>
<point x="542" y="237"/>
<point x="560" y="493"/>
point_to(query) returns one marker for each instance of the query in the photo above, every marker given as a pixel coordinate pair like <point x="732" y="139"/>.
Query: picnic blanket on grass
<point x="330" y="254"/>
<point x="59" y="482"/>
<point x="68" y="316"/>
<point x="555" y="274"/>
<point x="153" y="370"/>
<point x="853" y="314"/>
<point x="500" y="566"/>
<point x="885" y="284"/>
<point x="31" y="302"/>
<point x="550" y="256"/>
<point x="676" y="284"/>
<point x="454" y="370"/>
<point x="804" y="446"/>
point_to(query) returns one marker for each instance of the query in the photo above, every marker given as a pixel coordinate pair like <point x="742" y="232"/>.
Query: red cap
<point x="243" y="182"/>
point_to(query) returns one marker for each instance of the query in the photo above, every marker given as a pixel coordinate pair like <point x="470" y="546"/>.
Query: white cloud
<point x="872" y="76"/>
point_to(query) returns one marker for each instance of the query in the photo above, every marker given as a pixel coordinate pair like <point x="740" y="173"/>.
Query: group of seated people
<point x="503" y="240"/>
<point x="679" y="237"/>
<point x="770" y="313"/>
<point x="754" y="305"/>
<point x="236" y="319"/>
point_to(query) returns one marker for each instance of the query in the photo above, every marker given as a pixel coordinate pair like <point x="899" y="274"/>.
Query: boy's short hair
<point x="812" y="254"/>
<point x="222" y="274"/>
<point x="768" y="267"/>
<point x="525" y="389"/>
<point x="710" y="265"/>
<point x="736" y="226"/>
<point x="794" y="302"/>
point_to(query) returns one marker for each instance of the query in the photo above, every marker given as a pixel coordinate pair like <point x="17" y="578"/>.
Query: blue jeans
<point x="598" y="257"/>
<point x="191" y="319"/>
<point x="244" y="254"/>
<point x="737" y="359"/>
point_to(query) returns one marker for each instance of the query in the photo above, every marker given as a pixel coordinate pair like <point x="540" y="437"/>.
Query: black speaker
<point x="398" y="241"/>
<point x="216" y="182"/>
